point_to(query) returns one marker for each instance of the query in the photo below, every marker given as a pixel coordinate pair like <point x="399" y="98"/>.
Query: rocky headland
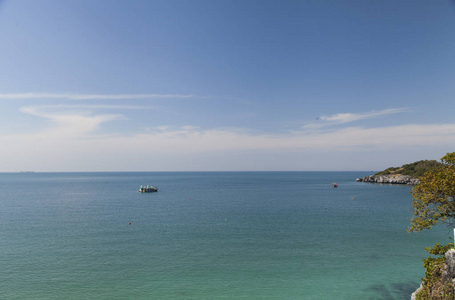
<point x="406" y="174"/>
<point x="390" y="179"/>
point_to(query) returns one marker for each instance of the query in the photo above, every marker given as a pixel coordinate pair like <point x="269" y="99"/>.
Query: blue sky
<point x="225" y="85"/>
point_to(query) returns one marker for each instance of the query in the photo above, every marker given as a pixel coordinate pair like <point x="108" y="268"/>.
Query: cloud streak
<point x="82" y="124"/>
<point x="73" y="144"/>
<point x="193" y="139"/>
<point x="70" y="96"/>
<point x="78" y="135"/>
<point x="349" y="117"/>
<point x="343" y="118"/>
<point x="86" y="106"/>
<point x="69" y="125"/>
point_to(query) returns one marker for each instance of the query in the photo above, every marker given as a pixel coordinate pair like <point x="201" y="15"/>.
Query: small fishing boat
<point x="148" y="189"/>
<point x="335" y="185"/>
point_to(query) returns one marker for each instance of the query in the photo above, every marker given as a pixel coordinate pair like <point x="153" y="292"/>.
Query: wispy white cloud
<point x="88" y="106"/>
<point x="194" y="139"/>
<point x="350" y="117"/>
<point x="70" y="96"/>
<point x="76" y="135"/>
<point x="342" y="118"/>
<point x="190" y="138"/>
<point x="69" y="125"/>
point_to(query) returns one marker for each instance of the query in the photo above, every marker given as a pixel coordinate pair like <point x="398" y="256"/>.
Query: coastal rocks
<point x="392" y="179"/>
<point x="448" y="272"/>
<point x="450" y="261"/>
<point x="414" y="295"/>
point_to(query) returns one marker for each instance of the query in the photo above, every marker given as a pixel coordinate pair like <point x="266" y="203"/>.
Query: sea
<point x="208" y="235"/>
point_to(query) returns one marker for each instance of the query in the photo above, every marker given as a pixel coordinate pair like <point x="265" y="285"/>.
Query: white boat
<point x="148" y="189"/>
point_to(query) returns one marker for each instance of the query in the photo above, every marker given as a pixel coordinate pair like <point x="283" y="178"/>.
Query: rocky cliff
<point x="446" y="280"/>
<point x="392" y="179"/>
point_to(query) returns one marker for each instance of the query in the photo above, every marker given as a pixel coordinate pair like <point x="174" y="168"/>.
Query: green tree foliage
<point x="433" y="202"/>
<point x="415" y="169"/>
<point x="449" y="159"/>
<point x="433" y="198"/>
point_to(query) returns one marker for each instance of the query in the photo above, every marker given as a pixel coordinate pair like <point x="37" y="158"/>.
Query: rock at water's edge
<point x="448" y="273"/>
<point x="414" y="295"/>
<point x="393" y="179"/>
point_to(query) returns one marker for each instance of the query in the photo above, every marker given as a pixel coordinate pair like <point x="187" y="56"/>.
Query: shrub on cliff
<point x="434" y="285"/>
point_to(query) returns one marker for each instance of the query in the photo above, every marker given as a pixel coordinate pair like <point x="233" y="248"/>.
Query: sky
<point x="214" y="85"/>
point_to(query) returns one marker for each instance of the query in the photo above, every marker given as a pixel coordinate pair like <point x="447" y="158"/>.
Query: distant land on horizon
<point x="415" y="169"/>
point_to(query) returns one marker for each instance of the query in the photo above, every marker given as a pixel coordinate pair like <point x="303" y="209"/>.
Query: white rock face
<point x="450" y="262"/>
<point x="392" y="179"/>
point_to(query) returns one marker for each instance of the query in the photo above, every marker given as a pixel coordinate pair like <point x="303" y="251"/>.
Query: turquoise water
<point x="207" y="235"/>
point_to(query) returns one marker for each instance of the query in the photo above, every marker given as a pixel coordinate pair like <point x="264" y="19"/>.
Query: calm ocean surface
<point x="208" y="235"/>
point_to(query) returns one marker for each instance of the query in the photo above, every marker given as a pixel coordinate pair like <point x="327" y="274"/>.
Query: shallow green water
<point x="207" y="235"/>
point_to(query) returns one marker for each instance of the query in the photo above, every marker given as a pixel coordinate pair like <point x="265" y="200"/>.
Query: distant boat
<point x="148" y="189"/>
<point x="335" y="185"/>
